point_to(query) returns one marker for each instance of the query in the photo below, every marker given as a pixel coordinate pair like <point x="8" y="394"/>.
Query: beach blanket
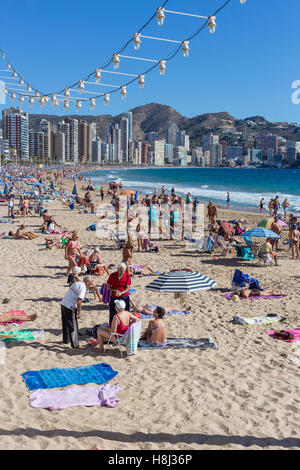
<point x="171" y="312"/>
<point x="295" y="332"/>
<point x="56" y="378"/>
<point x="23" y="335"/>
<point x="180" y="343"/>
<point x="104" y="395"/>
<point x="131" y="338"/>
<point x="238" y="320"/>
<point x="229" y="295"/>
<point x="15" y="322"/>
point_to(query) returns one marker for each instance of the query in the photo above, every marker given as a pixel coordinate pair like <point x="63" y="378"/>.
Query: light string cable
<point x="80" y="83"/>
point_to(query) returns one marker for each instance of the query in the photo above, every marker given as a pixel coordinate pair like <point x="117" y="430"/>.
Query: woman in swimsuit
<point x="95" y="261"/>
<point x="71" y="250"/>
<point x="246" y="293"/>
<point x="156" y="333"/>
<point x="119" y="325"/>
<point x="140" y="269"/>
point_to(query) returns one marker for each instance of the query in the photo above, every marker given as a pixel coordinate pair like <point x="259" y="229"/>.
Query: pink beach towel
<point x="295" y="332"/>
<point x="103" y="395"/>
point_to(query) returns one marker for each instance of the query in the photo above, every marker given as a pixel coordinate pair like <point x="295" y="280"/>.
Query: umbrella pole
<point x="181" y="315"/>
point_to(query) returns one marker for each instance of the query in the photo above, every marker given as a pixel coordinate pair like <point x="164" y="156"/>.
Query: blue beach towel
<point x="55" y="378"/>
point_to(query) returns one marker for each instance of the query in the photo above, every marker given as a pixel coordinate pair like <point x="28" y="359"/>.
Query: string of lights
<point x="33" y="94"/>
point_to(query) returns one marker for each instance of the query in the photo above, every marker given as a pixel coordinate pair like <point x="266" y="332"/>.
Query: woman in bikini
<point x="246" y="293"/>
<point x="156" y="333"/>
<point x="95" y="261"/>
<point x="71" y="250"/>
<point x="120" y="324"/>
<point x="20" y="235"/>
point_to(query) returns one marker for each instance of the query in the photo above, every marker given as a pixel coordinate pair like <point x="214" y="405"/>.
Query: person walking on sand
<point x="261" y="205"/>
<point x="285" y="205"/>
<point x="276" y="228"/>
<point x="295" y="241"/>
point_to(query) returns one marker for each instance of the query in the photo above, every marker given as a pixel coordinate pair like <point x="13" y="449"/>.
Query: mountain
<point x="155" y="117"/>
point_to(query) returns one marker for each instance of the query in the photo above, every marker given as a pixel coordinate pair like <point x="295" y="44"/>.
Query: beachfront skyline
<point x="257" y="79"/>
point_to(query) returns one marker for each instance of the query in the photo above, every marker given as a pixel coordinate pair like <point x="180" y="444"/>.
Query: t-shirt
<point x="266" y="248"/>
<point x="76" y="291"/>
<point x="119" y="284"/>
<point x="153" y="214"/>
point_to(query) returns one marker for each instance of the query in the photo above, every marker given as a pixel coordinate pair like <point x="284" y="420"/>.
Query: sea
<point x="246" y="186"/>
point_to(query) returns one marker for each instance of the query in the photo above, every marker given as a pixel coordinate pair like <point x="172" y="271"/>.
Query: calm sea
<point x="246" y="186"/>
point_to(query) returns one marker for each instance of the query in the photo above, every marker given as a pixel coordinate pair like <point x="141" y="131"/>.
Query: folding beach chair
<point x="119" y="239"/>
<point x="130" y="339"/>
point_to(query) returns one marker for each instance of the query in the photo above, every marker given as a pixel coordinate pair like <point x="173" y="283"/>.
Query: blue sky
<point x="246" y="68"/>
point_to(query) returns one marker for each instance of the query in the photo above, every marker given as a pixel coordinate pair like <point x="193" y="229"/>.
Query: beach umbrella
<point x="181" y="281"/>
<point x="261" y="232"/>
<point x="52" y="185"/>
<point x="127" y="192"/>
<point x="74" y="189"/>
<point x="267" y="223"/>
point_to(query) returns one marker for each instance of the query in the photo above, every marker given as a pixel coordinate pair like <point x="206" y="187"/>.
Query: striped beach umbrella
<point x="74" y="190"/>
<point x="261" y="232"/>
<point x="181" y="281"/>
<point x="267" y="223"/>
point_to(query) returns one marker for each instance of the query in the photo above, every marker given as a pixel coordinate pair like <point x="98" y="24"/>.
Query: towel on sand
<point x="23" y="335"/>
<point x="295" y="332"/>
<point x="55" y="378"/>
<point x="104" y="395"/>
<point x="238" y="320"/>
<point x="229" y="295"/>
<point x="179" y="343"/>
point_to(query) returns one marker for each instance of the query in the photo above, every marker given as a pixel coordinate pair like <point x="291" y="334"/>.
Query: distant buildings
<point x="15" y="131"/>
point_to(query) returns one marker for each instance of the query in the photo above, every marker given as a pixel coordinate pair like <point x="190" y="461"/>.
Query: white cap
<point x="120" y="304"/>
<point x="96" y="249"/>
<point x="76" y="270"/>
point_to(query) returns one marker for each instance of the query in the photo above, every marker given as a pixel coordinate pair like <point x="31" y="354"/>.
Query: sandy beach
<point x="243" y="395"/>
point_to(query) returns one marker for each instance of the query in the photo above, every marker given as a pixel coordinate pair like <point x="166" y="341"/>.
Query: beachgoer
<point x="13" y="317"/>
<point x="285" y="205"/>
<point x="228" y="200"/>
<point x="295" y="241"/>
<point x="246" y="293"/>
<point x="95" y="261"/>
<point x="119" y="284"/>
<point x="276" y="228"/>
<point x="261" y="205"/>
<point x="156" y="332"/>
<point x="72" y="249"/>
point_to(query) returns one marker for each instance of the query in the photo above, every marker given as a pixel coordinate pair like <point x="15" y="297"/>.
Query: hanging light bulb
<point x="13" y="96"/>
<point x="123" y="92"/>
<point x="106" y="98"/>
<point x="160" y="16"/>
<point x="141" y="81"/>
<point x="31" y="100"/>
<point x="81" y="86"/>
<point x="21" y="100"/>
<point x="3" y="55"/>
<point x="53" y="97"/>
<point x="92" y="103"/>
<point x="21" y="82"/>
<point x="116" y="61"/>
<point x="42" y="101"/>
<point x="8" y="66"/>
<point x="66" y="105"/>
<point x="185" y="48"/>
<point x="37" y="94"/>
<point x="137" y="41"/>
<point x="78" y="105"/>
<point x="29" y="89"/>
<point x="243" y="1"/>
<point x="5" y="91"/>
<point x="14" y="74"/>
<point x="212" y="24"/>
<point x="55" y="103"/>
<point x="162" y="67"/>
<point x="97" y="75"/>
<point x="67" y="92"/>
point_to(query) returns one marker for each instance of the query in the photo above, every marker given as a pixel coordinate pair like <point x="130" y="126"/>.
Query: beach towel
<point x="104" y="395"/>
<point x="56" y="378"/>
<point x="229" y="295"/>
<point x="295" y="332"/>
<point x="239" y="320"/>
<point x="180" y="343"/>
<point x="15" y="322"/>
<point x="23" y="335"/>
<point x="171" y="312"/>
<point x="131" y="338"/>
<point x="105" y="292"/>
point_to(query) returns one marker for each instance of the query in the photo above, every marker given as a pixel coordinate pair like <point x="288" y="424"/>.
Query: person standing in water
<point x="228" y="200"/>
<point x="261" y="205"/>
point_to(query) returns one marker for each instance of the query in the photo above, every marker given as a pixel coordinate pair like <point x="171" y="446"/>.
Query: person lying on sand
<point x="149" y="309"/>
<point x="142" y="270"/>
<point x="246" y="293"/>
<point x="20" y="235"/>
<point x="11" y="317"/>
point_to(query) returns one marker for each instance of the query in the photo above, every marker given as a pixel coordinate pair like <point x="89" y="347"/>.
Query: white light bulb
<point x="5" y="91"/>
<point x="3" y="55"/>
<point x="13" y="96"/>
<point x="21" y="100"/>
<point x="8" y="66"/>
<point x="116" y="61"/>
<point x="42" y="101"/>
<point x="31" y="100"/>
<point x="21" y="81"/>
<point x="15" y="74"/>
<point x="67" y="92"/>
<point x="185" y="48"/>
<point x="97" y="75"/>
<point x="212" y="24"/>
<point x="81" y="86"/>
<point x="141" y="81"/>
<point x="92" y="103"/>
<point x="55" y="103"/>
<point x="78" y="105"/>
<point x="37" y="94"/>
<point x="243" y="1"/>
<point x="137" y="41"/>
<point x="160" y="16"/>
<point x="66" y="105"/>
<point x="123" y="92"/>
<point x="106" y="98"/>
<point x="29" y="89"/>
<point x="162" y="67"/>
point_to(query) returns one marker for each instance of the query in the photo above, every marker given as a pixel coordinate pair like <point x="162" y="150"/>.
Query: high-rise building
<point x="74" y="139"/>
<point x="224" y="145"/>
<point x="85" y="133"/>
<point x="255" y="156"/>
<point x="158" y="149"/>
<point x="172" y="130"/>
<point x="180" y="156"/>
<point x="64" y="127"/>
<point x="36" y="144"/>
<point x="208" y="140"/>
<point x="145" y="151"/>
<point x="45" y="128"/>
<point x="266" y="142"/>
<point x="104" y="152"/>
<point x="234" y="152"/>
<point x="183" y="140"/>
<point x="58" y="147"/>
<point x="215" y="155"/>
<point x="196" y="155"/>
<point x="114" y="137"/>
<point x="125" y="138"/>
<point x="15" y="130"/>
<point x="169" y="150"/>
<point x="128" y="116"/>
<point x="292" y="150"/>
<point x="96" y="150"/>
<point x="4" y="146"/>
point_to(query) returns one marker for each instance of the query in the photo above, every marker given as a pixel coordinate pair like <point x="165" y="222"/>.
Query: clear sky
<point x="246" y="68"/>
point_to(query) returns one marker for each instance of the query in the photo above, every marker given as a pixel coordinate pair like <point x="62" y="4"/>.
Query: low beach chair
<point x="130" y="339"/>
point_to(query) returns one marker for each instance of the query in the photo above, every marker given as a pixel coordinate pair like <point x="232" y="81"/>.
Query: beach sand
<point x="243" y="395"/>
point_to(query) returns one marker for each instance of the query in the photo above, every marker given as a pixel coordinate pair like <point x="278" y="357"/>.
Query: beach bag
<point x="284" y="335"/>
<point x="92" y="227"/>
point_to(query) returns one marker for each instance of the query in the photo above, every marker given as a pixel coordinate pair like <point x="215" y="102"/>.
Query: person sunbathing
<point x="156" y="332"/>
<point x="12" y="317"/>
<point x="95" y="261"/>
<point x="246" y="293"/>
<point x="21" y="235"/>
<point x="149" y="309"/>
<point x="53" y="244"/>
<point x="142" y="270"/>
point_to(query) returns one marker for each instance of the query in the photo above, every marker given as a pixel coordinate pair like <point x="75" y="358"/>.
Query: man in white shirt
<point x="71" y="310"/>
